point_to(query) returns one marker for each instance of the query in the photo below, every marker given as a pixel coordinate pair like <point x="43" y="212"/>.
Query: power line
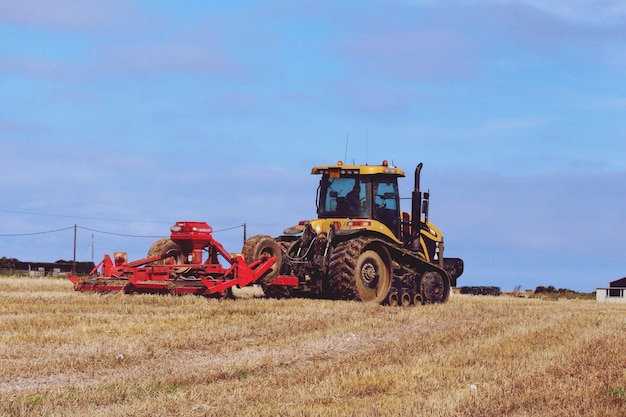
<point x="82" y="217"/>
<point x="98" y="218"/>
<point x="103" y="232"/>
<point x="229" y="228"/>
<point x="37" y="233"/>
<point x="147" y="236"/>
<point x="118" y="234"/>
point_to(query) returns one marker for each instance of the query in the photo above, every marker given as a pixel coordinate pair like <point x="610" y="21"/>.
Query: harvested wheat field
<point x="64" y="353"/>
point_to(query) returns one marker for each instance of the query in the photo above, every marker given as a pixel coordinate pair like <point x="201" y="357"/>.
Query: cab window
<point x="344" y="197"/>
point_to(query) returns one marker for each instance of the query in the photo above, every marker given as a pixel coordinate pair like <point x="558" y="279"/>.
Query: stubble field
<point x="64" y="353"/>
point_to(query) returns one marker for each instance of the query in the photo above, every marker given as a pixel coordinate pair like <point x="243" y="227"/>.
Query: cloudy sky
<point x="122" y="117"/>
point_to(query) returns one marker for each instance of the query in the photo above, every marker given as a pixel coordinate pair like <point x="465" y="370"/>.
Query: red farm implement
<point x="177" y="266"/>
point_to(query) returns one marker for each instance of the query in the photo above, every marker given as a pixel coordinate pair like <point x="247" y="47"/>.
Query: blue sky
<point x="126" y="116"/>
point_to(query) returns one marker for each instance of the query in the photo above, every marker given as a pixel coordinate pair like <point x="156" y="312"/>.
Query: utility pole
<point x="74" y="261"/>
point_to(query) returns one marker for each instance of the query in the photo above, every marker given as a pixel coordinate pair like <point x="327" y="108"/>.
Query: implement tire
<point x="260" y="246"/>
<point x="165" y="246"/>
<point x="360" y="270"/>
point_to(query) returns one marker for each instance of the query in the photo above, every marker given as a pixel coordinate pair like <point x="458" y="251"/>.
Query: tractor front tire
<point x="360" y="270"/>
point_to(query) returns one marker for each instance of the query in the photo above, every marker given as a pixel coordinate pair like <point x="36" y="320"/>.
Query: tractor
<point x="362" y="246"/>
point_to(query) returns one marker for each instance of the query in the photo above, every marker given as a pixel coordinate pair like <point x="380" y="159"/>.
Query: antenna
<point x="366" y="161"/>
<point x="345" y="157"/>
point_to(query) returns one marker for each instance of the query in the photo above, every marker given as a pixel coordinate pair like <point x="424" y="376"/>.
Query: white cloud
<point x="513" y="124"/>
<point x="64" y="14"/>
<point x="579" y="11"/>
<point x="164" y="57"/>
<point x="538" y="227"/>
<point x="410" y="54"/>
<point x="609" y="103"/>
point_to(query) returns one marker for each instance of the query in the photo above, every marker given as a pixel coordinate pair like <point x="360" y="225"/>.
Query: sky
<point x="123" y="117"/>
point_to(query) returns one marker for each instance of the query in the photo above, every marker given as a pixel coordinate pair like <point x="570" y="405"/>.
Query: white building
<point x="614" y="294"/>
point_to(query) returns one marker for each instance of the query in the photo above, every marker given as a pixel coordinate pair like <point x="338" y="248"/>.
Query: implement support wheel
<point x="162" y="247"/>
<point x="261" y="246"/>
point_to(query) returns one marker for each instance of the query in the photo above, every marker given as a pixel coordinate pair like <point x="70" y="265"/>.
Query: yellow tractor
<point x="362" y="246"/>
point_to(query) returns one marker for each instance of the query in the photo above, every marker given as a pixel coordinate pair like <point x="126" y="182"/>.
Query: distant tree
<point x="8" y="263"/>
<point x="481" y="290"/>
<point x="541" y="289"/>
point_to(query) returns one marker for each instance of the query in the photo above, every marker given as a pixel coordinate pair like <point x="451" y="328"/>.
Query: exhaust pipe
<point x="416" y="206"/>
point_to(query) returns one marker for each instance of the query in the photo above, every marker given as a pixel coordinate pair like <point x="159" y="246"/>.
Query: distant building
<point x="613" y="294"/>
<point x="618" y="283"/>
<point x="52" y="269"/>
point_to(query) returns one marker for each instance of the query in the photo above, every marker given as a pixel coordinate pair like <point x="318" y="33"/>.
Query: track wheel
<point x="261" y="246"/>
<point x="393" y="299"/>
<point x="434" y="288"/>
<point x="359" y="270"/>
<point x="162" y="247"/>
<point x="406" y="299"/>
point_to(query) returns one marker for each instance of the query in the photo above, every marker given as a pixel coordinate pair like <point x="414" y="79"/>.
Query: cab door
<point x="386" y="203"/>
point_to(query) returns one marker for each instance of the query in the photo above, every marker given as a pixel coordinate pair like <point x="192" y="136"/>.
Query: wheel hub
<point x="369" y="275"/>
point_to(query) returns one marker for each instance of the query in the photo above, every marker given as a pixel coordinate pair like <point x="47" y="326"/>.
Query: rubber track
<point x="341" y="268"/>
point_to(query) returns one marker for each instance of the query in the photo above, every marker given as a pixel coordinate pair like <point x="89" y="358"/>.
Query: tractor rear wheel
<point x="260" y="246"/>
<point x="360" y="270"/>
<point x="434" y="288"/>
<point x="162" y="247"/>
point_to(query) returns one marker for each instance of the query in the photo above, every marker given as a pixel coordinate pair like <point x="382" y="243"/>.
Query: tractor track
<point x="341" y="269"/>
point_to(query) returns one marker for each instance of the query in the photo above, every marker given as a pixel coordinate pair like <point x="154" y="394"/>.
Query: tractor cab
<point x="360" y="192"/>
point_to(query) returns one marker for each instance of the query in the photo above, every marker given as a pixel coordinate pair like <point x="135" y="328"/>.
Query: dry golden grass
<point x="64" y="353"/>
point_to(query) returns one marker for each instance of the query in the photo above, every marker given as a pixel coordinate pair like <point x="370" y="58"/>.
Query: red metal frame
<point x="190" y="275"/>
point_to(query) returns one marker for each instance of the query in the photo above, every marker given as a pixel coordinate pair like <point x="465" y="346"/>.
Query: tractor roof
<point x="342" y="169"/>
